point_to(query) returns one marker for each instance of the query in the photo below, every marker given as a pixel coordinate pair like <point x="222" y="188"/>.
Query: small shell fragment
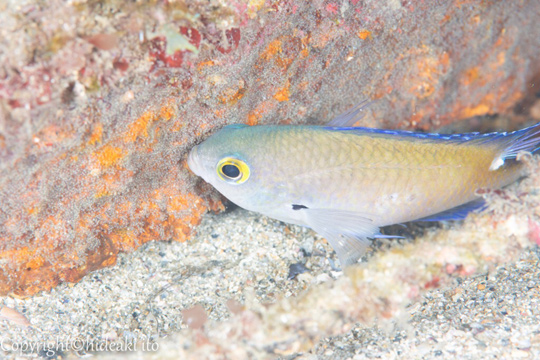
<point x="195" y="317"/>
<point x="14" y="317"/>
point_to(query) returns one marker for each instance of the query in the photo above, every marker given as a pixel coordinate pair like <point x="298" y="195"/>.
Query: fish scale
<point x="347" y="182"/>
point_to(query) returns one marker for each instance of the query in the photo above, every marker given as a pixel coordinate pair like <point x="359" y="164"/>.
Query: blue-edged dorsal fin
<point x="456" y="138"/>
<point x="509" y="143"/>
<point x="351" y="116"/>
<point x="457" y="213"/>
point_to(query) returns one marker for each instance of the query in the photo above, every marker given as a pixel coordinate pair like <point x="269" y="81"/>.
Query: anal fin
<point x="348" y="232"/>
<point x="457" y="213"/>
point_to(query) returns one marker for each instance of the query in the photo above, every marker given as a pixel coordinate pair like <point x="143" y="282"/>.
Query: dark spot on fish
<point x="295" y="270"/>
<point x="298" y="207"/>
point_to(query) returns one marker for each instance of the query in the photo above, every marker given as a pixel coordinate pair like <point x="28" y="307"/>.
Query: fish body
<point x="347" y="182"/>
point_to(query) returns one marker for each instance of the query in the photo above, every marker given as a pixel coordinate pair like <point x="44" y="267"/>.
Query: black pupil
<point x="231" y="171"/>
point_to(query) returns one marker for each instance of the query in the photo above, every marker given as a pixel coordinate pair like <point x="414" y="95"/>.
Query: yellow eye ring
<point x="233" y="170"/>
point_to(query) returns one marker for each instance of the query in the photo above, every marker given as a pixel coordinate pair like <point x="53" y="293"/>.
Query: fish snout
<point x="193" y="161"/>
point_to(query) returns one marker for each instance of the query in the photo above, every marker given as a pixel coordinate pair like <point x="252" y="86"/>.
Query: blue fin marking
<point x="457" y="213"/>
<point x="527" y="139"/>
<point x="383" y="236"/>
<point x="417" y="135"/>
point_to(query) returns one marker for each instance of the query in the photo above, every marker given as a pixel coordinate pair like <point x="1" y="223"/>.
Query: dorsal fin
<point x="351" y="116"/>
<point x="457" y="138"/>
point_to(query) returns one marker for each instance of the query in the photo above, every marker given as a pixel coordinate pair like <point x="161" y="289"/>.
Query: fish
<point x="347" y="182"/>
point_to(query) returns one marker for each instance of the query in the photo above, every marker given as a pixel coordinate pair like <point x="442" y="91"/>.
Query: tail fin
<point x="527" y="139"/>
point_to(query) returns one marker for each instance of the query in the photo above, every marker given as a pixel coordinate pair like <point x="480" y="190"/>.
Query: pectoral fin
<point x="347" y="232"/>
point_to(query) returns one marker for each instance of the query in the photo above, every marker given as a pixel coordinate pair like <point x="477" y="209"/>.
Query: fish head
<point x="232" y="161"/>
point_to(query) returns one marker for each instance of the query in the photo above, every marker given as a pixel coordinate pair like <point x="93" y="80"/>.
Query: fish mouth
<point x="192" y="161"/>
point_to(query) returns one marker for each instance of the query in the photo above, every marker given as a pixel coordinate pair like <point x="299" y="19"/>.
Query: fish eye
<point x="230" y="171"/>
<point x="233" y="170"/>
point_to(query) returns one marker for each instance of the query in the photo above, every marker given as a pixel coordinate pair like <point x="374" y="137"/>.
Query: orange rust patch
<point x="140" y="127"/>
<point x="276" y="52"/>
<point x="101" y="194"/>
<point x="253" y="118"/>
<point x="283" y="62"/>
<point x="304" y="43"/>
<point x="204" y="64"/>
<point x="446" y="18"/>
<point x="111" y="181"/>
<point x="182" y="204"/>
<point x="365" y="34"/>
<point x="96" y="135"/>
<point x="178" y="203"/>
<point x="271" y="50"/>
<point x="35" y="263"/>
<point x="283" y="93"/>
<point x="478" y="110"/>
<point x="18" y="255"/>
<point x="383" y="91"/>
<point x="109" y="155"/>
<point x="32" y="210"/>
<point x="219" y="113"/>
<point x="124" y="240"/>
<point x="261" y="109"/>
<point x="109" y="261"/>
<point x="167" y="111"/>
<point x="431" y="69"/>
<point x="501" y="60"/>
<point x="231" y="96"/>
<point x="177" y="126"/>
<point x="471" y="76"/>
